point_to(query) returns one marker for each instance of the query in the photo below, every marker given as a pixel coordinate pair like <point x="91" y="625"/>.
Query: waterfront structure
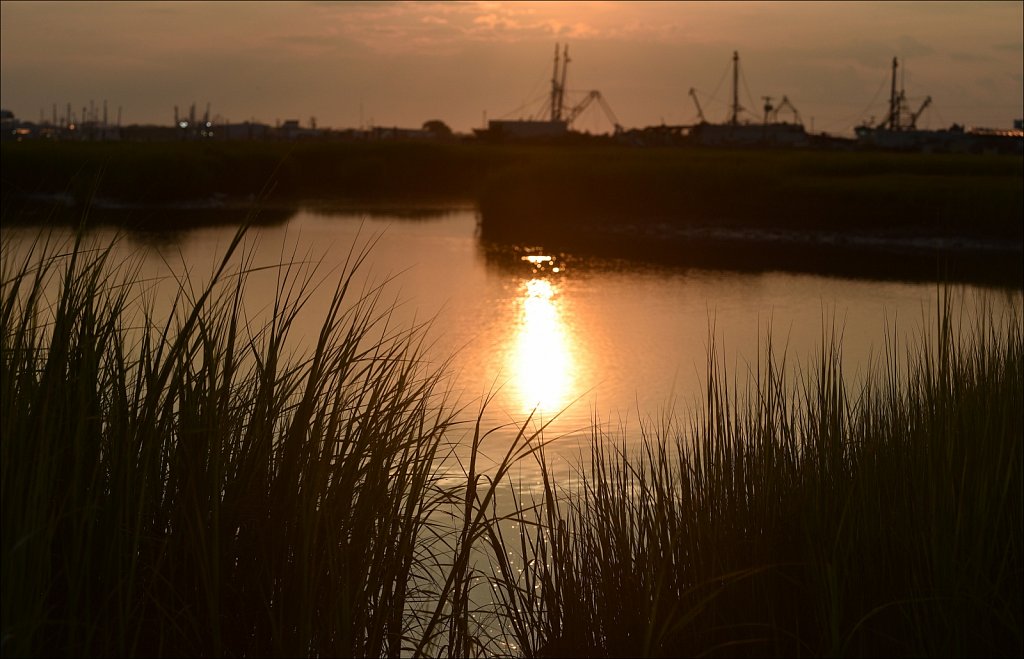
<point x="560" y="117"/>
<point x="770" y="132"/>
<point x="898" y="130"/>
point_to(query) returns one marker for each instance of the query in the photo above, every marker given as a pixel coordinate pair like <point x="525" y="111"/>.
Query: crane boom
<point x="581" y="106"/>
<point x="786" y="103"/>
<point x="608" y="112"/>
<point x="700" y="113"/>
<point x="592" y="96"/>
<point x="915" y="115"/>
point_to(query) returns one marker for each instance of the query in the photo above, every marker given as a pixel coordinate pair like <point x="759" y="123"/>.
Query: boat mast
<point x="894" y="101"/>
<point x="554" y="89"/>
<point x="561" y="86"/>
<point x="735" y="87"/>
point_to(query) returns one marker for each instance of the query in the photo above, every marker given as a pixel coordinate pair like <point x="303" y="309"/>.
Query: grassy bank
<point x="876" y="215"/>
<point x="806" y="190"/>
<point x="166" y="172"/>
<point x="185" y="485"/>
<point x="535" y="186"/>
<point x="872" y="214"/>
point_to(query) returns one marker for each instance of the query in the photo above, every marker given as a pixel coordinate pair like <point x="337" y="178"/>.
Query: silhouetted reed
<point x="794" y="515"/>
<point x="185" y="484"/>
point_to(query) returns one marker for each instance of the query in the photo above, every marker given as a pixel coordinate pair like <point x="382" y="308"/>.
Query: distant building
<point x="501" y="130"/>
<point x="247" y="130"/>
<point x="771" y="134"/>
<point x="954" y="139"/>
<point x="662" y="135"/>
<point x="396" y="133"/>
<point x="291" y="130"/>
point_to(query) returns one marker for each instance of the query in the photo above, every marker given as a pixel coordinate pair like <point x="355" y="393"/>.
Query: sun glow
<point x="542" y="359"/>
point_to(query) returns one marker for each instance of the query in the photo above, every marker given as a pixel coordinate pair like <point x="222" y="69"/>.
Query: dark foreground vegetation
<point x="183" y="484"/>
<point x="874" y="214"/>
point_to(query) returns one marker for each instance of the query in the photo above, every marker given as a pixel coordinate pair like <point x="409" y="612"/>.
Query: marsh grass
<point x="184" y="483"/>
<point x="794" y="515"/>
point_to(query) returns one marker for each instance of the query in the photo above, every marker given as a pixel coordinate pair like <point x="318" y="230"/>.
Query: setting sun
<point x="511" y="329"/>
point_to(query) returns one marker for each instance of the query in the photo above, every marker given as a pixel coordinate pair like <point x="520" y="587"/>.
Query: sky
<point x="352" y="64"/>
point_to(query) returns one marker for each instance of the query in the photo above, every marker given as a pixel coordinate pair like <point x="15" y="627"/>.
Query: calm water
<point x="591" y="339"/>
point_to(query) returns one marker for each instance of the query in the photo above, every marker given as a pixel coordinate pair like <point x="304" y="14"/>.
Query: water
<point x="572" y="340"/>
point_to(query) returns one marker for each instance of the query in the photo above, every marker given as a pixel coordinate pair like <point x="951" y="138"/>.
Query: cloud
<point x="389" y="27"/>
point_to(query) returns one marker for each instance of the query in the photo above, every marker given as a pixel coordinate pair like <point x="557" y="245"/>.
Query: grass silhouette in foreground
<point x="187" y="485"/>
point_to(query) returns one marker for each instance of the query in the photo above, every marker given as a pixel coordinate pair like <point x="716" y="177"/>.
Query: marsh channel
<point x="579" y="343"/>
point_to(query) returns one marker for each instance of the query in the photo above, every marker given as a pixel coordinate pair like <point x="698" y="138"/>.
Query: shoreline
<point x="873" y="215"/>
<point x="901" y="253"/>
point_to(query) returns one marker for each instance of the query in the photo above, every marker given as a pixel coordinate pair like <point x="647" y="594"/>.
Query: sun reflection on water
<point x="542" y="360"/>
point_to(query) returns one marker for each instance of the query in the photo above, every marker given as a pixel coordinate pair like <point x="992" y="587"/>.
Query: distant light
<point x="536" y="259"/>
<point x="183" y="124"/>
<point x="208" y="124"/>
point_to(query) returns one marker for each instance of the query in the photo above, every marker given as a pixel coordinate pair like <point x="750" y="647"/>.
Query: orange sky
<point x="398" y="63"/>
